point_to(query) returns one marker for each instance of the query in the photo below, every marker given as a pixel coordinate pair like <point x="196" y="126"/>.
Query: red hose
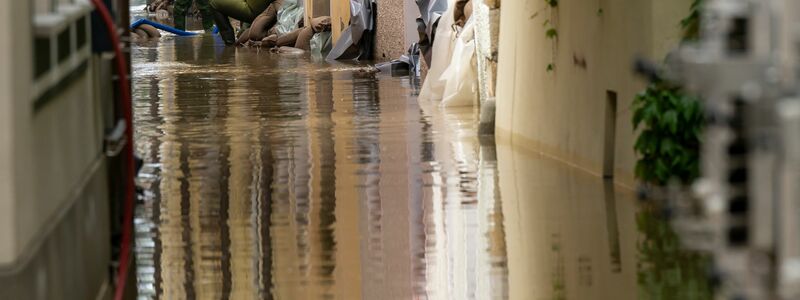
<point x="127" y="113"/>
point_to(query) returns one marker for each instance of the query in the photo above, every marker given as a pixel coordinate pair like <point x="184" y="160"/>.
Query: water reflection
<point x="571" y="235"/>
<point x="275" y="177"/>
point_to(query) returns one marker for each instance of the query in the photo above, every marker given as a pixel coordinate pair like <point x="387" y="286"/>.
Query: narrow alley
<point x="275" y="176"/>
<point x="399" y="149"/>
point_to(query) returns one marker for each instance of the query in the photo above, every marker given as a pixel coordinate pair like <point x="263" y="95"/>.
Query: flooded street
<point x="274" y="176"/>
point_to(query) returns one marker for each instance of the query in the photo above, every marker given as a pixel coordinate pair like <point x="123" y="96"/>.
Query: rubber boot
<point x="208" y="21"/>
<point x="225" y="28"/>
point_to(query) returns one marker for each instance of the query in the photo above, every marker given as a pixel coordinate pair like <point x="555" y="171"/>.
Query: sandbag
<point x="304" y="38"/>
<point x="288" y="39"/>
<point x="152" y="32"/>
<point x="264" y="22"/>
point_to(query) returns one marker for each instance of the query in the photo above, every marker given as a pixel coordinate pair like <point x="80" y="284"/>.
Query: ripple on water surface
<point x="284" y="177"/>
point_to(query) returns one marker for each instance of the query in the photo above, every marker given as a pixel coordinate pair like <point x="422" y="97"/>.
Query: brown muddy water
<point x="282" y="177"/>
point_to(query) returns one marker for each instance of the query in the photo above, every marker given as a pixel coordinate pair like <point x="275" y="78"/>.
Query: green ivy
<point x="550" y="29"/>
<point x="671" y="121"/>
<point x="551" y="33"/>
<point x="691" y="24"/>
<point x="669" y="143"/>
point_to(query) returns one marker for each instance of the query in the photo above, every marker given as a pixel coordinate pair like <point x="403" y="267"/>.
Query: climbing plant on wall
<point x="691" y="24"/>
<point x="671" y="121"/>
<point x="550" y="30"/>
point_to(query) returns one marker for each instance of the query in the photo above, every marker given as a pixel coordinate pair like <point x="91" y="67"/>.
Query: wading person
<point x="181" y="7"/>
<point x="242" y="10"/>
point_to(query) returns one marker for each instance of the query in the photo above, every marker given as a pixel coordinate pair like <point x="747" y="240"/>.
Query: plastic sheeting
<point x="433" y="87"/>
<point x="452" y="77"/>
<point x="321" y="44"/>
<point x="430" y="13"/>
<point x="289" y="15"/>
<point x="362" y="25"/>
<point x="407" y="64"/>
<point x="461" y="87"/>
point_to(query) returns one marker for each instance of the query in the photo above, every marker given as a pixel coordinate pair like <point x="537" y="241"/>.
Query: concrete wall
<point x="396" y="28"/>
<point x="15" y="113"/>
<point x="487" y="18"/>
<point x="562" y="113"/>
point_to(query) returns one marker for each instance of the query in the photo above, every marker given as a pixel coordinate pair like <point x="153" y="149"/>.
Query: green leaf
<point x="666" y="147"/>
<point x="551" y="33"/>
<point x="670" y="121"/>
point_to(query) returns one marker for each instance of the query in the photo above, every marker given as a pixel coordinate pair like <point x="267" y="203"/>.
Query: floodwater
<point x="272" y="176"/>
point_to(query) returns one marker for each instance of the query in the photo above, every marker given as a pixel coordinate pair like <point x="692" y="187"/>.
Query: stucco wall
<point x="396" y="28"/>
<point x="561" y="113"/>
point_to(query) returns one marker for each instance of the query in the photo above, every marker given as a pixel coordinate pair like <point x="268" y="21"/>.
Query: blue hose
<point x="166" y="28"/>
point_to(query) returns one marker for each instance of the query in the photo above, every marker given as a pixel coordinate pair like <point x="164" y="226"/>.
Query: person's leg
<point x="207" y="13"/>
<point x="320" y="24"/>
<point x="180" y="9"/>
<point x="225" y="28"/>
<point x="241" y="10"/>
<point x="237" y="9"/>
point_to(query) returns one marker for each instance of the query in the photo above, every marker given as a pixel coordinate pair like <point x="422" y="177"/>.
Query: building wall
<point x="54" y="216"/>
<point x="562" y="113"/>
<point x="14" y="123"/>
<point x="396" y="28"/>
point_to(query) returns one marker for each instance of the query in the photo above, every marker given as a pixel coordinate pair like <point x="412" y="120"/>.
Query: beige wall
<point x="15" y="118"/>
<point x="562" y="113"/>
